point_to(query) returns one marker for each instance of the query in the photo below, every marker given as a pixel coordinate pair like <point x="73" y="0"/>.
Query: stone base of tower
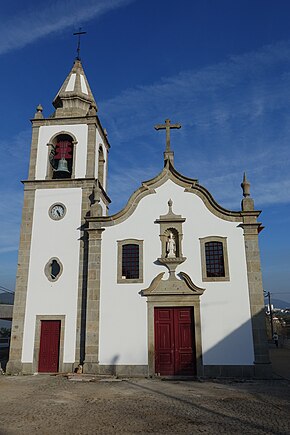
<point x="14" y="367"/>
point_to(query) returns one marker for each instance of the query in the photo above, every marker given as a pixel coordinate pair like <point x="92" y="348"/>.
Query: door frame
<point x="174" y="301"/>
<point x="174" y="335"/>
<point x="38" y="320"/>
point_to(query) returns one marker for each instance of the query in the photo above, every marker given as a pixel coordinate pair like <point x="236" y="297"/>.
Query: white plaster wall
<point x="104" y="208"/>
<point x="225" y="311"/>
<point x="80" y="131"/>
<point x="54" y="239"/>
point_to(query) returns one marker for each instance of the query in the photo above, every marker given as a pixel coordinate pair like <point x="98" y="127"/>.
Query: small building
<point x="170" y="285"/>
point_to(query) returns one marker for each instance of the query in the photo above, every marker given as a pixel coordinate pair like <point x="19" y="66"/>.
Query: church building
<point x="170" y="285"/>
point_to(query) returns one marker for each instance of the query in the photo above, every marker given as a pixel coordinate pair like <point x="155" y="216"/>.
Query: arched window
<point x="130" y="261"/>
<point x="61" y="157"/>
<point x="101" y="166"/>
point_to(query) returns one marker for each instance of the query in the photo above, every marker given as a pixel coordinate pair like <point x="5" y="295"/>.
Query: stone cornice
<point x="172" y="286"/>
<point x="190" y="185"/>
<point x="66" y="183"/>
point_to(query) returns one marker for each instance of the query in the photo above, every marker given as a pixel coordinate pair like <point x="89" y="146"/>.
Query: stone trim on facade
<point x="14" y="365"/>
<point x="88" y="119"/>
<point x="173" y="293"/>
<point x="256" y="297"/>
<point x="33" y="151"/>
<point x="190" y="185"/>
<point x="38" y="320"/>
<point x="93" y="301"/>
<point x="120" y="244"/>
<point x="174" y="301"/>
<point x="203" y="241"/>
<point x="47" y="269"/>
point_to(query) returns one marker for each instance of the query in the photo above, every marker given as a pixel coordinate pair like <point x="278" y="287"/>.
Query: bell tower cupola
<point x="71" y="144"/>
<point x="75" y="97"/>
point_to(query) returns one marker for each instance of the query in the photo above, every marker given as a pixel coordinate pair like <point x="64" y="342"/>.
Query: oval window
<point x="53" y="269"/>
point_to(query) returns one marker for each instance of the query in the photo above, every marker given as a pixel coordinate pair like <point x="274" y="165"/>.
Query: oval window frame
<point x="47" y="269"/>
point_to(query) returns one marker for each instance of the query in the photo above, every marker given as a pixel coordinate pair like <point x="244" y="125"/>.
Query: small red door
<point x="49" y="346"/>
<point x="174" y="341"/>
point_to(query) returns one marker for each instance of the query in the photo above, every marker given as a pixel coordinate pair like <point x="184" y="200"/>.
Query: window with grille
<point x="214" y="255"/>
<point x="130" y="261"/>
<point x="214" y="258"/>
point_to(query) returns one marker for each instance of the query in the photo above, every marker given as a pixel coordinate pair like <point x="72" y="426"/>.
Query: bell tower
<point x="67" y="181"/>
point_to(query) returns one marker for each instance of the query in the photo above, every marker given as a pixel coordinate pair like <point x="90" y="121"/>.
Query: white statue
<point x="171" y="246"/>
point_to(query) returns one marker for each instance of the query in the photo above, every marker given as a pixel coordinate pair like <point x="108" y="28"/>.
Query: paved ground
<point x="44" y="404"/>
<point x="47" y="405"/>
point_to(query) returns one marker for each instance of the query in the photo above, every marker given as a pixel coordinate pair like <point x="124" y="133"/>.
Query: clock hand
<point x="58" y="212"/>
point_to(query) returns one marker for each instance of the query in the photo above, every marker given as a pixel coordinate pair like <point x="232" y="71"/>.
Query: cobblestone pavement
<point x="44" y="404"/>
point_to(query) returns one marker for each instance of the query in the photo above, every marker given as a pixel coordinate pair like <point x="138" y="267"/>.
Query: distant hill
<point x="7" y="298"/>
<point x="278" y="303"/>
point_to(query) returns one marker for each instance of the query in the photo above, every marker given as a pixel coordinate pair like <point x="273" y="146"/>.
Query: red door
<point x="174" y="341"/>
<point x="49" y="346"/>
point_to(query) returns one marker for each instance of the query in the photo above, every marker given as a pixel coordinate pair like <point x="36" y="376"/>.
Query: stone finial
<point x="170" y="203"/>
<point x="38" y="113"/>
<point x="247" y="202"/>
<point x="245" y="185"/>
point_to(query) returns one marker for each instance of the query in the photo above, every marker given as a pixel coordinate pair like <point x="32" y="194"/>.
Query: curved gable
<point x="190" y="185"/>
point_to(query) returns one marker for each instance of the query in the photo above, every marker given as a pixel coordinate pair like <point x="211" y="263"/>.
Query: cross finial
<point x="167" y="126"/>
<point x="79" y="33"/>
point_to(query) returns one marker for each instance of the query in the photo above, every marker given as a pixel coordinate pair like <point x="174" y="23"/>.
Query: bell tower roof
<point x="75" y="97"/>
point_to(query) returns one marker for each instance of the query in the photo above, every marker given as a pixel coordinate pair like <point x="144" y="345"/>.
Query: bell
<point x="62" y="166"/>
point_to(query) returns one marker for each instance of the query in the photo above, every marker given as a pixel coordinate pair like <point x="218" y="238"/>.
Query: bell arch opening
<point x="101" y="166"/>
<point x="61" y="157"/>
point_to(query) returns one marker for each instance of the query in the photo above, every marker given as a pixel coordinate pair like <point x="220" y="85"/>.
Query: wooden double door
<point x="48" y="361"/>
<point x="174" y="341"/>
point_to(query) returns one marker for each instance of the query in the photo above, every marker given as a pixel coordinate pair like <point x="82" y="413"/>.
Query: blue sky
<point x="220" y="68"/>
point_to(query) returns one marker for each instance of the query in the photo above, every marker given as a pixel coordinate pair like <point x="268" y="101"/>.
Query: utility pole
<point x="268" y="295"/>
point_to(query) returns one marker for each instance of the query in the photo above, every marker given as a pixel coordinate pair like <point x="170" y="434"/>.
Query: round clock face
<point x="57" y="211"/>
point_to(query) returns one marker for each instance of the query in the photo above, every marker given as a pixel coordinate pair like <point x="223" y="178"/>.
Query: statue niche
<point x="171" y="239"/>
<point x="172" y="243"/>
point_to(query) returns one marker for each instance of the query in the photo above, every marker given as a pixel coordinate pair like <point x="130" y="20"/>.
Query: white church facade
<point x="170" y="285"/>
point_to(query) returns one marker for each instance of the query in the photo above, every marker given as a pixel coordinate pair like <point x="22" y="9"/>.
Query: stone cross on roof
<point x="79" y="33"/>
<point x="167" y="126"/>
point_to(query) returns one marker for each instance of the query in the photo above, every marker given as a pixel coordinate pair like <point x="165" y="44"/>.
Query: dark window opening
<point x="54" y="269"/>
<point x="214" y="255"/>
<point x="130" y="261"/>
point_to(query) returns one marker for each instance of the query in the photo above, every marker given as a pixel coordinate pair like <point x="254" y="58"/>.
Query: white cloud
<point x="235" y="116"/>
<point x="48" y="17"/>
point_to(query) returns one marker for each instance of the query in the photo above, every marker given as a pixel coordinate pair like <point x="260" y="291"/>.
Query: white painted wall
<point x="54" y="239"/>
<point x="80" y="131"/>
<point x="225" y="310"/>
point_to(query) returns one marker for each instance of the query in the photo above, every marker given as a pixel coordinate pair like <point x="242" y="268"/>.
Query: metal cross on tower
<point x="79" y="33"/>
<point x="167" y="126"/>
